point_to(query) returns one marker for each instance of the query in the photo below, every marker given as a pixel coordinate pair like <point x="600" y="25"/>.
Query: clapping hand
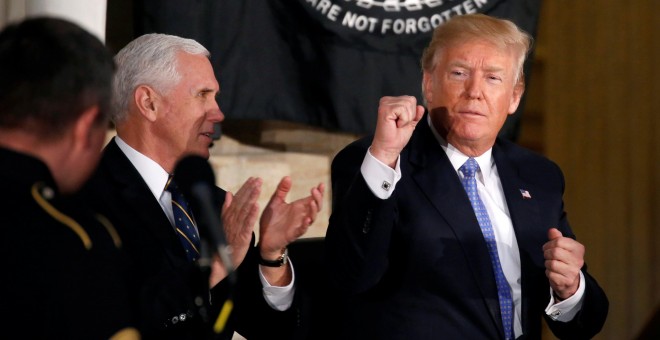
<point x="239" y="215"/>
<point x="282" y="223"/>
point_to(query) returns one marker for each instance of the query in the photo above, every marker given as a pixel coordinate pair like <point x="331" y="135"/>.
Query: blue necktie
<point x="183" y="222"/>
<point x="503" y="290"/>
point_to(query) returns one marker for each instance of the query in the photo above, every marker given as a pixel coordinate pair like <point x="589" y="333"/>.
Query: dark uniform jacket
<point x="63" y="269"/>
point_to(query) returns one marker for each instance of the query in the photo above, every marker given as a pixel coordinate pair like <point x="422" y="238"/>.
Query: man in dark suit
<point x="64" y="273"/>
<point x="166" y="109"/>
<point x="439" y="229"/>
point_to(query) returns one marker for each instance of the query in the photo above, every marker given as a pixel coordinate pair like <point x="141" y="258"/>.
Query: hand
<point x="397" y="119"/>
<point x="282" y="223"/>
<point x="564" y="257"/>
<point x="239" y="215"/>
<point x="218" y="271"/>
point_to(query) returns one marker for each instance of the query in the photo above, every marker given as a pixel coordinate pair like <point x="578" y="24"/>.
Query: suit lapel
<point x="524" y="212"/>
<point x="435" y="176"/>
<point x="145" y="207"/>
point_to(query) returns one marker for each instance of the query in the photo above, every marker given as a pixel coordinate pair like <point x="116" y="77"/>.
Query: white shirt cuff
<point x="566" y="310"/>
<point x="380" y="178"/>
<point x="279" y="298"/>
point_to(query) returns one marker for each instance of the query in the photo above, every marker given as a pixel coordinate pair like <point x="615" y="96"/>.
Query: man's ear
<point x="84" y="126"/>
<point x="427" y="81"/>
<point x="518" y="91"/>
<point x="147" y="101"/>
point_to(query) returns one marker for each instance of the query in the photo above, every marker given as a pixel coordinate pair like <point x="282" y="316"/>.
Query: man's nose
<point x="215" y="114"/>
<point x="473" y="88"/>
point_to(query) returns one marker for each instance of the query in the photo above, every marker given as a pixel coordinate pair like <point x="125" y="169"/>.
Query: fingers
<point x="249" y="191"/>
<point x="561" y="274"/>
<point x="244" y="203"/>
<point x="397" y="118"/>
<point x="563" y="279"/>
<point x="228" y="199"/>
<point x="420" y="113"/>
<point x="401" y="110"/>
<point x="240" y="211"/>
<point x="563" y="261"/>
<point x="312" y="210"/>
<point x="313" y="204"/>
<point x="563" y="249"/>
<point x="563" y="285"/>
<point x="567" y="251"/>
<point x="317" y="195"/>
<point x="564" y="258"/>
<point x="283" y="188"/>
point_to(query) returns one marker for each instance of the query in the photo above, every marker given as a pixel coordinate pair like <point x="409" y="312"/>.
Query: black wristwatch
<point x="282" y="260"/>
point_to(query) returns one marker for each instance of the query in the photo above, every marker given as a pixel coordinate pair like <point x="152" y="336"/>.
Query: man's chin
<point x="201" y="152"/>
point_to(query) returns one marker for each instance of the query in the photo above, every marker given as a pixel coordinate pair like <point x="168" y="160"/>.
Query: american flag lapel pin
<point x="525" y="194"/>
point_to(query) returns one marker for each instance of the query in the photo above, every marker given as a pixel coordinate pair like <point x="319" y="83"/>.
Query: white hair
<point x="150" y="59"/>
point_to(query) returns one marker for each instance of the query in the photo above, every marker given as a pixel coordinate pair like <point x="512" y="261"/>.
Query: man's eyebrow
<point x="487" y="68"/>
<point x="495" y="69"/>
<point x="206" y="90"/>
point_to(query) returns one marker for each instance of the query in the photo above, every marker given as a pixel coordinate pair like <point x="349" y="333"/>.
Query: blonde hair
<point x="500" y="32"/>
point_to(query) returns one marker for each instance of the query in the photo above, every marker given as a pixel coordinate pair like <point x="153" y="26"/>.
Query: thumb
<point x="554" y="233"/>
<point x="420" y="113"/>
<point x="282" y="189"/>
<point x="229" y="197"/>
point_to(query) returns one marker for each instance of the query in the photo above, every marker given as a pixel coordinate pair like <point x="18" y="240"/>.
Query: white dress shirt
<point x="382" y="180"/>
<point x="279" y="298"/>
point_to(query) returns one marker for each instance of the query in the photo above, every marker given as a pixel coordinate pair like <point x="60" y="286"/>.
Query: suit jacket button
<point x="367" y="223"/>
<point x="175" y="320"/>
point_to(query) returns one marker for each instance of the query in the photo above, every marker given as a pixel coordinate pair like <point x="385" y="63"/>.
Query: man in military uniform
<point x="63" y="266"/>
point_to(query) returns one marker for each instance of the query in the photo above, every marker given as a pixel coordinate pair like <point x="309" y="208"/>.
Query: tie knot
<point x="469" y="168"/>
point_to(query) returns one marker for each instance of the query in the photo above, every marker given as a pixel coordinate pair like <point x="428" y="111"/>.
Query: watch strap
<point x="279" y="262"/>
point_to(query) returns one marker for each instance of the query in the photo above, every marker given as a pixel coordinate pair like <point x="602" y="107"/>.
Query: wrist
<point x="557" y="297"/>
<point x="386" y="157"/>
<point x="274" y="259"/>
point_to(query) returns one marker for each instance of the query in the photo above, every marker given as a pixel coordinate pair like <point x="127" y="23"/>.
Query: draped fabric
<point x="324" y="63"/>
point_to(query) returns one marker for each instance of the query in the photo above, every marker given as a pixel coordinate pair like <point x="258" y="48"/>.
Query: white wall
<point x="90" y="14"/>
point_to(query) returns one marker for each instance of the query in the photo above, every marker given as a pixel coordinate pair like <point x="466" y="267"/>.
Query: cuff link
<point x="554" y="315"/>
<point x="386" y="185"/>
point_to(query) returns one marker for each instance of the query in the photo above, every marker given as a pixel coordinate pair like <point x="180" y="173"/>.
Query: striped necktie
<point x="503" y="289"/>
<point x="183" y="222"/>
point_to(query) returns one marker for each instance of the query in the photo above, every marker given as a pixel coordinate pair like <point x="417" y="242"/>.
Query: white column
<point x="89" y="14"/>
<point x="11" y="10"/>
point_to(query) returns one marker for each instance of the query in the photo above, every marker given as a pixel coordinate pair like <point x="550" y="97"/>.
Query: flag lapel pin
<point x="525" y="194"/>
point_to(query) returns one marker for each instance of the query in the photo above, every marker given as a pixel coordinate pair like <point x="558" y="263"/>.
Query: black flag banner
<point x="324" y="63"/>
